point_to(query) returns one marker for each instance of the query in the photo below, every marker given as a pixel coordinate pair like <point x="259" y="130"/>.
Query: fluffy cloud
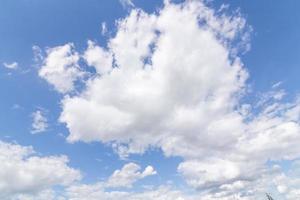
<point x="60" y="68"/>
<point x="39" y="123"/>
<point x="174" y="80"/>
<point x="22" y="172"/>
<point x="129" y="174"/>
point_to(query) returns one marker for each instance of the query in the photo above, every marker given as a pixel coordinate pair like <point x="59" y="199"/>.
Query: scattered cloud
<point x="39" y="122"/>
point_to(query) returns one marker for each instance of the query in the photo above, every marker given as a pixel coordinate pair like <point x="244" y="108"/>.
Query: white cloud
<point x="129" y="174"/>
<point x="24" y="173"/>
<point x="39" y="122"/>
<point x="60" y="68"/>
<point x="13" y="65"/>
<point x="153" y="98"/>
<point x="173" y="80"/>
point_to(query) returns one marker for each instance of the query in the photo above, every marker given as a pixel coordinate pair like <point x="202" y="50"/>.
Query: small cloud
<point x="39" y="123"/>
<point x="129" y="174"/>
<point x="13" y="65"/>
<point x="103" y="28"/>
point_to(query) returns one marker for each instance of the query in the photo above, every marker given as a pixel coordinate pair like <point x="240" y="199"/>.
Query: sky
<point x="158" y="100"/>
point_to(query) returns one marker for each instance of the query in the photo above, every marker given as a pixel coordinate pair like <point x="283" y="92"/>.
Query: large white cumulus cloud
<point x="167" y="83"/>
<point x="173" y="80"/>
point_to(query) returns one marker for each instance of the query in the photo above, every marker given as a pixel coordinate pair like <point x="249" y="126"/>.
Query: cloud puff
<point x="129" y="174"/>
<point x="39" y="123"/>
<point x="174" y="80"/>
<point x="60" y="68"/>
<point x="22" y="172"/>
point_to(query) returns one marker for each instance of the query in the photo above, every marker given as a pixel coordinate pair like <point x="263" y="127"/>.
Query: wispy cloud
<point x="13" y="65"/>
<point x="127" y="3"/>
<point x="103" y="28"/>
<point x="39" y="122"/>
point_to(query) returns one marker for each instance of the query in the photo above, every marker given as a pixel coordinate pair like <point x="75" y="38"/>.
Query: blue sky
<point x="272" y="64"/>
